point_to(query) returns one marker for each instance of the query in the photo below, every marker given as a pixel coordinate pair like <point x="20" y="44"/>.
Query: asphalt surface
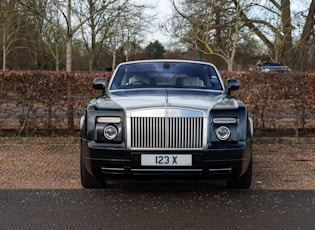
<point x="157" y="206"/>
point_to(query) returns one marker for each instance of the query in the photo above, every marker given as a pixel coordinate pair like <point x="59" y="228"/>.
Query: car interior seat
<point x="190" y="81"/>
<point x="139" y="79"/>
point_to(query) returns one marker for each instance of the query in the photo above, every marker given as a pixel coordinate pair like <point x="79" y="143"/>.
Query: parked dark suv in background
<point x="272" y="66"/>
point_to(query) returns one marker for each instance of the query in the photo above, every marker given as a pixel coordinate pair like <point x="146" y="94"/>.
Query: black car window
<point x="166" y="75"/>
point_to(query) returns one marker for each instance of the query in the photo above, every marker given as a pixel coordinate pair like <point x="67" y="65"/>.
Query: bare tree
<point x="285" y="32"/>
<point x="212" y="27"/>
<point x="220" y="27"/>
<point x="10" y="26"/>
<point x="34" y="33"/>
<point x="68" y="11"/>
<point x="127" y="31"/>
<point x="53" y="37"/>
<point x="102" y="18"/>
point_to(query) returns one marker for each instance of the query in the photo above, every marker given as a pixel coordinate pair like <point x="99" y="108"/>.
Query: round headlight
<point x="110" y="132"/>
<point x="223" y="133"/>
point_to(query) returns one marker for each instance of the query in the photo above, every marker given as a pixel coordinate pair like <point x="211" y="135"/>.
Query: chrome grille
<point x="170" y="132"/>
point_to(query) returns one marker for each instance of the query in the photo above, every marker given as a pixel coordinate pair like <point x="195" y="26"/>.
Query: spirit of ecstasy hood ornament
<point x="166" y="104"/>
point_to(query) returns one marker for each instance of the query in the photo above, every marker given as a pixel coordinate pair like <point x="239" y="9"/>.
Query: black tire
<point x="244" y="181"/>
<point x="89" y="181"/>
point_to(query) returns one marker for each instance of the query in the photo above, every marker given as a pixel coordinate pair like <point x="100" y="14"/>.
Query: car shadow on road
<point x="165" y="187"/>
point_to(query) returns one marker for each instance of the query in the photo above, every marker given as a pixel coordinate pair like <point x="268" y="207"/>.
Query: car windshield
<point x="166" y="75"/>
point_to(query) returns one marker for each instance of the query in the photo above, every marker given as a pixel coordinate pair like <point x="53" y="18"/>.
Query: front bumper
<point x="115" y="162"/>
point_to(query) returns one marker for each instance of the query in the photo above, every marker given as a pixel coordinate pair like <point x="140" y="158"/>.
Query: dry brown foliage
<point x="41" y="102"/>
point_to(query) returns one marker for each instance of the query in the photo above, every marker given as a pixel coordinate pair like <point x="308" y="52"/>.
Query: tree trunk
<point x="230" y="64"/>
<point x="92" y="52"/>
<point x="304" y="50"/>
<point x="114" y="59"/>
<point x="69" y="55"/>
<point x="4" y="54"/>
<point x="310" y="22"/>
<point x="70" y="118"/>
<point x="287" y="43"/>
<point x="57" y="56"/>
<point x="91" y="62"/>
<point x="114" y="50"/>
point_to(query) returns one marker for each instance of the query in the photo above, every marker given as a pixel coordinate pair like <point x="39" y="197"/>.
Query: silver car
<point x="166" y="120"/>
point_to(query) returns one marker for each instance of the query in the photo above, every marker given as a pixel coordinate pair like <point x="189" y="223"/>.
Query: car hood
<point x="131" y="100"/>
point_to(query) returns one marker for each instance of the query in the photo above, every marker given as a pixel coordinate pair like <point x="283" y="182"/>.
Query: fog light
<point x="110" y="132"/>
<point x="223" y="133"/>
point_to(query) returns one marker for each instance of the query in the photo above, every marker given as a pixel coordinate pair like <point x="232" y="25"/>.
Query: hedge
<point x="45" y="101"/>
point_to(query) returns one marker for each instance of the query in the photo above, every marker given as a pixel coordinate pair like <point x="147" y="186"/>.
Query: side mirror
<point x="231" y="85"/>
<point x="100" y="83"/>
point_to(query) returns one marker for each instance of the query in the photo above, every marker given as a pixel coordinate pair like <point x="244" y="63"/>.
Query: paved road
<point x="157" y="206"/>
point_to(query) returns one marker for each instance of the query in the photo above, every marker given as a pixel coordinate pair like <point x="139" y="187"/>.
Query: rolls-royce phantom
<point x="166" y="120"/>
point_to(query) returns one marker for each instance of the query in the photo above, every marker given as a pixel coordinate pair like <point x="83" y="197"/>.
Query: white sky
<point x="162" y="11"/>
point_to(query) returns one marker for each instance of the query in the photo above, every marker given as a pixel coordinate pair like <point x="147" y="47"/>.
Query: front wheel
<point x="89" y="181"/>
<point x="244" y="181"/>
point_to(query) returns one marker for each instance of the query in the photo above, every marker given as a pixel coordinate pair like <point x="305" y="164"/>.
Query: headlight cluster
<point x="226" y="129"/>
<point x="109" y="128"/>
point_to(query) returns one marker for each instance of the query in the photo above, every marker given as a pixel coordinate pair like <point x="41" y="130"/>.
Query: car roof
<point x="166" y="60"/>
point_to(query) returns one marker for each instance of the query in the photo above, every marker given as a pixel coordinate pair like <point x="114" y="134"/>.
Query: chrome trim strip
<point x="221" y="169"/>
<point x="167" y="149"/>
<point x="113" y="169"/>
<point x="166" y="170"/>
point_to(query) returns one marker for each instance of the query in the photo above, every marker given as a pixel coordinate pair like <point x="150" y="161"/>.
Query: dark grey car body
<point x="166" y="120"/>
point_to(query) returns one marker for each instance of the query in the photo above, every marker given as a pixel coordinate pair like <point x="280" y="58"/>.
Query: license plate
<point x="166" y="160"/>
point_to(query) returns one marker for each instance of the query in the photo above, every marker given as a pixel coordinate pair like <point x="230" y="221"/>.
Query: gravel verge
<point x="53" y="163"/>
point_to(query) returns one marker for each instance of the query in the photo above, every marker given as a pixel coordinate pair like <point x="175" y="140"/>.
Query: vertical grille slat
<point x="169" y="132"/>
